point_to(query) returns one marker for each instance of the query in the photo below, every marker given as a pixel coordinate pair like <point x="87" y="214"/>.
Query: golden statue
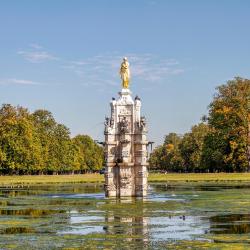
<point x="125" y="73"/>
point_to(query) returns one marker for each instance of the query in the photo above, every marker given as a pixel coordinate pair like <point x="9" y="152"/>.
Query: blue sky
<point x="64" y="56"/>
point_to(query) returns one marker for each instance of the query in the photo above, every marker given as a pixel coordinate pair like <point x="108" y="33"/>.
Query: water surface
<point x="78" y="216"/>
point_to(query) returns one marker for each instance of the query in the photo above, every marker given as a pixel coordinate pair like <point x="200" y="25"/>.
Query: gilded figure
<point x="125" y="73"/>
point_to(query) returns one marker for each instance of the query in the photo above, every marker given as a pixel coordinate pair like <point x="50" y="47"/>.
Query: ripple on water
<point x="167" y="215"/>
<point x="84" y="230"/>
<point x="84" y="224"/>
<point x="165" y="197"/>
<point x="177" y="227"/>
<point x="78" y="196"/>
<point x="86" y="219"/>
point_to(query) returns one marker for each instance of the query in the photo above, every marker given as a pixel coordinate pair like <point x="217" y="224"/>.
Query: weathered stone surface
<point x="126" y="147"/>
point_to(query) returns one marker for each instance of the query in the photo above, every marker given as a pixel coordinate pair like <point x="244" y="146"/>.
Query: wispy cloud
<point x="36" y="54"/>
<point x="36" y="46"/>
<point x="104" y="69"/>
<point x="11" y="81"/>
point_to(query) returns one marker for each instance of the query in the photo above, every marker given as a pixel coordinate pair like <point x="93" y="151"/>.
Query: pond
<point x="172" y="216"/>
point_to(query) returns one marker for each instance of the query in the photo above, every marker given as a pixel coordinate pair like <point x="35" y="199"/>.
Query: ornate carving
<point x="110" y="152"/>
<point x="112" y="122"/>
<point x="109" y="175"/>
<point x="125" y="111"/>
<point x="125" y="172"/>
<point x="143" y="123"/>
<point x="109" y="124"/>
<point x="125" y="141"/>
<point x="106" y="123"/>
<point x="125" y="153"/>
<point x="125" y="181"/>
<point x="124" y="125"/>
<point x="110" y="187"/>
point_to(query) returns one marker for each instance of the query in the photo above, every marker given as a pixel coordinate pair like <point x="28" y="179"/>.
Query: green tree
<point x="191" y="147"/>
<point x="226" y="146"/>
<point x="167" y="157"/>
<point x="156" y="159"/>
<point x="45" y="125"/>
<point x="20" y="148"/>
<point x="91" y="155"/>
<point x="172" y="138"/>
<point x="59" y="150"/>
<point x="35" y="143"/>
<point x="60" y="153"/>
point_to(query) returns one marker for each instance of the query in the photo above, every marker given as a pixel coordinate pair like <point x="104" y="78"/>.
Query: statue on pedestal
<point x="125" y="143"/>
<point x="125" y="73"/>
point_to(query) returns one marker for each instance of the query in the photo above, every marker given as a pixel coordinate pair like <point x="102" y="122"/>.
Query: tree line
<point x="34" y="143"/>
<point x="220" y="143"/>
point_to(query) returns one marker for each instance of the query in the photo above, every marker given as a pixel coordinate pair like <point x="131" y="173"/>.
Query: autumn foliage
<point x="220" y="143"/>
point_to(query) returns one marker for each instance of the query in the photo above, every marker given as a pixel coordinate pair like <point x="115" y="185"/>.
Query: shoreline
<point x="26" y="180"/>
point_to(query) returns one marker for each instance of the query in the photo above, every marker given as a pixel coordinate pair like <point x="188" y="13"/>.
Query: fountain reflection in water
<point x="81" y="215"/>
<point x="134" y="227"/>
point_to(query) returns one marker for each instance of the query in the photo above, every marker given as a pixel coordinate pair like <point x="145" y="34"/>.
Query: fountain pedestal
<point x="126" y="148"/>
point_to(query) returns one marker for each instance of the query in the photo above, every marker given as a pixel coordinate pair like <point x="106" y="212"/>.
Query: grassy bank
<point x="97" y="178"/>
<point x="17" y="180"/>
<point x="174" y="177"/>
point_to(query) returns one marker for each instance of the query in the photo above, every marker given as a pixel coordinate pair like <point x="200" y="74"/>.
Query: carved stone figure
<point x="124" y="125"/>
<point x="125" y="73"/>
<point x="107" y="121"/>
<point x="111" y="122"/>
<point x="143" y="123"/>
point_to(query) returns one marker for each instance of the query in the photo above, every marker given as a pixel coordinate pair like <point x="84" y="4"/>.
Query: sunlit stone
<point x="126" y="147"/>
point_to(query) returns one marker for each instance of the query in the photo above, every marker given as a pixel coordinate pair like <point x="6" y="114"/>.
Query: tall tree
<point x="191" y="147"/>
<point x="20" y="148"/>
<point x="92" y="155"/>
<point x="167" y="157"/>
<point x="45" y="126"/>
<point x="35" y="143"/>
<point x="226" y="146"/>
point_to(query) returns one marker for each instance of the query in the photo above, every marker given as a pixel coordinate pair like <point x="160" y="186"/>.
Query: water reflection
<point x="134" y="228"/>
<point x="136" y="225"/>
<point x="79" y="214"/>
<point x="177" y="227"/>
<point x="199" y="187"/>
<point x="230" y="224"/>
<point x="51" y="189"/>
<point x="30" y="212"/>
<point x="17" y="230"/>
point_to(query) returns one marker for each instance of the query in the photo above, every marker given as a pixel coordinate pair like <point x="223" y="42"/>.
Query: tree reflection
<point x="230" y="224"/>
